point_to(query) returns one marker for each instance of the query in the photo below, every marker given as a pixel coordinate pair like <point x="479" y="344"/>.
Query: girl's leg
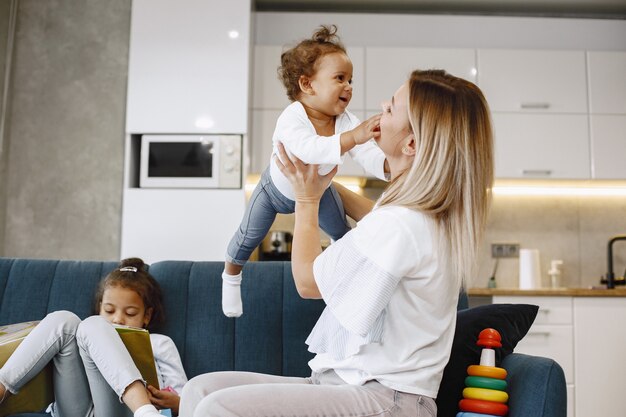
<point x="271" y="396"/>
<point x="52" y="340"/>
<point x="116" y="384"/>
<point x="332" y="216"/>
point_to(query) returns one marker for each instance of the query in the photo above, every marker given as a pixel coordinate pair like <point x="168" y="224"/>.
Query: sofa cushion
<point x="511" y="320"/>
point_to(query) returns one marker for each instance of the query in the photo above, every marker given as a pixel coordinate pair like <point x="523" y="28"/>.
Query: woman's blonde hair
<point x="451" y="175"/>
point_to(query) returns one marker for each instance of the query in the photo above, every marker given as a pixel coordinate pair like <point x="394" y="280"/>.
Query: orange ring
<point x="484" y="394"/>
<point x="483" y="407"/>
<point x="486" y="371"/>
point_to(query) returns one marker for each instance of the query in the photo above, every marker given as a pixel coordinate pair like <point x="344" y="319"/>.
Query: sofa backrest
<point x="268" y="338"/>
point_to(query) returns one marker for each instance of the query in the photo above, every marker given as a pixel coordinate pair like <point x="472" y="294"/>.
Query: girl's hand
<point x="164" y="399"/>
<point x="308" y="185"/>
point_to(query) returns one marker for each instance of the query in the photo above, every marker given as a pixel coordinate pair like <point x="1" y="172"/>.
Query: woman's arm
<point x="308" y="188"/>
<point x="356" y="206"/>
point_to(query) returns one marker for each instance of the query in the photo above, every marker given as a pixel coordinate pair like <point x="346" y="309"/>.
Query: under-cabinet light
<point x="560" y="188"/>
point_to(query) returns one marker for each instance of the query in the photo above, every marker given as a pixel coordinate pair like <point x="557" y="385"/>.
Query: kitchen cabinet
<point x="607" y="107"/>
<point x="551" y="336"/>
<point x="541" y="146"/>
<point x="188" y="74"/>
<point x="533" y="81"/>
<point x="607" y="82"/>
<point x="383" y="79"/>
<point x="585" y="335"/>
<point x="188" y="67"/>
<point x="599" y="340"/>
<point x="608" y="146"/>
<point x="538" y="101"/>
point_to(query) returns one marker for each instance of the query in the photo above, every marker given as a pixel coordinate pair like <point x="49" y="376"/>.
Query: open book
<point x="137" y="342"/>
<point x="37" y="393"/>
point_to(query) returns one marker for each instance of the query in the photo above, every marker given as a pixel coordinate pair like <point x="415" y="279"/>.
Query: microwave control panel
<point x="230" y="161"/>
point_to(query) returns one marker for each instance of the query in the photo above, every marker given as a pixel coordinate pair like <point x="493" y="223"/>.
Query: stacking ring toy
<point x="486" y="395"/>
<point x="482" y="382"/>
<point x="483" y="407"/>
<point x="464" y="414"/>
<point x="486" y="371"/>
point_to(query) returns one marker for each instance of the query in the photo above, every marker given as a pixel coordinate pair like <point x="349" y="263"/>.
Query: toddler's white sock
<point x="231" y="295"/>
<point x="147" y="410"/>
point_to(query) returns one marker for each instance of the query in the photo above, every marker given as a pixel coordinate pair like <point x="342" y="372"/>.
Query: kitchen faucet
<point x="610" y="276"/>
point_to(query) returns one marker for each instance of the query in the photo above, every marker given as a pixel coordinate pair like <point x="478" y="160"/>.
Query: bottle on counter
<point x="555" y="273"/>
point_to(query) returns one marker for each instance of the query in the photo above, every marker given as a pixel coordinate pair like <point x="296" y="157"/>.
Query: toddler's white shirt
<point x="391" y="309"/>
<point x="296" y="132"/>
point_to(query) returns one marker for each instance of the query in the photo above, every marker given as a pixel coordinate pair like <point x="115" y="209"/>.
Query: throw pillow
<point x="512" y="321"/>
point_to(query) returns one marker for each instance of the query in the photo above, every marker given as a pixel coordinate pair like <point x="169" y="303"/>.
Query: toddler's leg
<point x="332" y="216"/>
<point x="52" y="340"/>
<point x="231" y="290"/>
<point x="257" y="220"/>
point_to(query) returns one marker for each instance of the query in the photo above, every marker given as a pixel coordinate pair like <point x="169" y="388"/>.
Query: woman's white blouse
<point x="391" y="308"/>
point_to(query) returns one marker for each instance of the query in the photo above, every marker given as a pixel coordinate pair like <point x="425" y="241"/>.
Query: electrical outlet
<point x="505" y="250"/>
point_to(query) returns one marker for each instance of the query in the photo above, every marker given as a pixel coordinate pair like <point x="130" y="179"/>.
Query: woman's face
<point x="124" y="306"/>
<point x="394" y="123"/>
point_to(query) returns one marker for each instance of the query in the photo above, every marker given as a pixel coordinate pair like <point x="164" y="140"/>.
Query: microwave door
<point x="179" y="162"/>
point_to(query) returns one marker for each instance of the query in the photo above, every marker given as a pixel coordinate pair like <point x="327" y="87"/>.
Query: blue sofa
<point x="268" y="338"/>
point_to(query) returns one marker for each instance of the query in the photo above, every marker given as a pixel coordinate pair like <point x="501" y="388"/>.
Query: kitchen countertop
<point x="551" y="292"/>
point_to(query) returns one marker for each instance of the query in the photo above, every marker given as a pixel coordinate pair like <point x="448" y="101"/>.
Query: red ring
<point x="483" y="407"/>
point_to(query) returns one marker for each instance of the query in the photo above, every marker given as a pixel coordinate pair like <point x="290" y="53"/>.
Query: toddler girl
<point x="93" y="372"/>
<point x="316" y="128"/>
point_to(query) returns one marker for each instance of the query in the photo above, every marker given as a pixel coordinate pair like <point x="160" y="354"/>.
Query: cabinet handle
<point x="545" y="334"/>
<point x="535" y="105"/>
<point x="537" y="172"/>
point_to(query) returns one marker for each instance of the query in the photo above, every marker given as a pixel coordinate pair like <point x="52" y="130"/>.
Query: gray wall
<point x="5" y="7"/>
<point x="63" y="158"/>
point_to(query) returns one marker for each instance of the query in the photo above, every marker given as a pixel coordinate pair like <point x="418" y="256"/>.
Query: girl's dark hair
<point x="302" y="58"/>
<point x="132" y="273"/>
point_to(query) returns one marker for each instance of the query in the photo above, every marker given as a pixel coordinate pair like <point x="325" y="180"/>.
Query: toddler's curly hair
<point x="302" y="59"/>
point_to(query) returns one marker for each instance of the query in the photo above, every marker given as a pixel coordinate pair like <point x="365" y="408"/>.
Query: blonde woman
<point x="391" y="284"/>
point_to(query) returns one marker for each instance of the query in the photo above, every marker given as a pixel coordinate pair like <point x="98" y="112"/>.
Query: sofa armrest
<point x="536" y="386"/>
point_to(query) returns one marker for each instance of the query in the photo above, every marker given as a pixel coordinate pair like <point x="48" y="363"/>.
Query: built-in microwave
<point x="190" y="161"/>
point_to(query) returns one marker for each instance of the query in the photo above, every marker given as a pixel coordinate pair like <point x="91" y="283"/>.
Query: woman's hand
<point x="164" y="399"/>
<point x="308" y="186"/>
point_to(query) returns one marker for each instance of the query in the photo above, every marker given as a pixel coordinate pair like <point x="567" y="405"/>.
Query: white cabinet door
<point x="263" y="125"/>
<point x="533" y="81"/>
<point x="268" y="91"/>
<point x="607" y="82"/>
<point x="188" y="66"/>
<point x="600" y="337"/>
<point x="541" y="146"/>
<point x="608" y="146"/>
<point x="551" y="336"/>
<point x="383" y="79"/>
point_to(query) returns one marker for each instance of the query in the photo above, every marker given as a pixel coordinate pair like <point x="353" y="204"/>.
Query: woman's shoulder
<point x="397" y="214"/>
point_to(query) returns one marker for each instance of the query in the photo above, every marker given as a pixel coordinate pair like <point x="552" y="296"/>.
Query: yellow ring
<point x="486" y="371"/>
<point x="486" y="395"/>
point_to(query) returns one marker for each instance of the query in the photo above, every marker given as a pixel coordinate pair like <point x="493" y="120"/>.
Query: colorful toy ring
<point x="488" y="383"/>
<point x="486" y="395"/>
<point x="465" y="414"/>
<point x="486" y="371"/>
<point x="483" y="407"/>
